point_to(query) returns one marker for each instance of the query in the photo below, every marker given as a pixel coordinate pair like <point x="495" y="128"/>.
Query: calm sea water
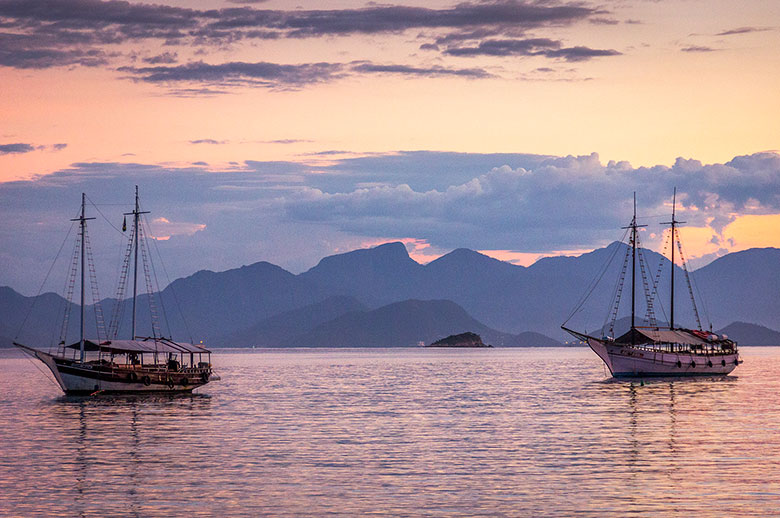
<point x="398" y="432"/>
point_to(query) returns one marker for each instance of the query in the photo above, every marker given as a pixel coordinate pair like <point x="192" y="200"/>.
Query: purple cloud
<point x="262" y="74"/>
<point x="698" y="48"/>
<point x="531" y="47"/>
<point x="17" y="148"/>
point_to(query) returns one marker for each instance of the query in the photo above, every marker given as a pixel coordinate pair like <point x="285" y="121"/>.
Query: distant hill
<point x="743" y="286"/>
<point x="43" y="316"/>
<point x="501" y="295"/>
<point x="6" y="342"/>
<point x="235" y="306"/>
<point x="407" y="323"/>
<point x="751" y="334"/>
<point x="375" y="276"/>
<point x="531" y="339"/>
<point x="216" y="304"/>
<point x="278" y="329"/>
<point x="467" y="339"/>
<point x="400" y="324"/>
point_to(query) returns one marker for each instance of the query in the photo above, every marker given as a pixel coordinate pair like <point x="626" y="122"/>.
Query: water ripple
<point x="398" y="432"/>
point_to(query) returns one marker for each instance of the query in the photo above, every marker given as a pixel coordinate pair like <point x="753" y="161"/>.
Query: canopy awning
<point x="140" y="346"/>
<point x="671" y="336"/>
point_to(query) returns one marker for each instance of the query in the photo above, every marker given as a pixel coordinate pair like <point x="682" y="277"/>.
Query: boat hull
<point x="77" y="379"/>
<point x="623" y="360"/>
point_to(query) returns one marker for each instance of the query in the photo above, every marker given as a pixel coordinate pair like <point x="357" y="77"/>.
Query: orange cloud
<point x="419" y="249"/>
<point x="748" y="231"/>
<point x="528" y="258"/>
<point x="165" y="229"/>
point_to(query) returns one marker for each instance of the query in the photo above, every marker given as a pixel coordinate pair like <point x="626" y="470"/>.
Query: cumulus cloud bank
<point x="563" y="203"/>
<point x="292" y="214"/>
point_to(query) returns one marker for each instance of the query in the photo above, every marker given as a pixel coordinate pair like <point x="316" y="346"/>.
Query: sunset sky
<point x="287" y="131"/>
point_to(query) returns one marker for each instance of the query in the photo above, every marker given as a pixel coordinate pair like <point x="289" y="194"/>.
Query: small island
<point x="467" y="339"/>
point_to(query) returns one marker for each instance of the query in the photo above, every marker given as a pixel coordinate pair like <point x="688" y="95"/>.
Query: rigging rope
<point x="47" y="375"/>
<point x="657" y="280"/>
<point x="148" y="280"/>
<point x="617" y="294"/>
<point x="96" y="305"/>
<point x="119" y="305"/>
<point x="594" y="282"/>
<point x="45" y="279"/>
<point x="156" y="281"/>
<point x="649" y="310"/>
<point x="70" y="283"/>
<point x="688" y="280"/>
<point x="103" y="215"/>
<point x="176" y="298"/>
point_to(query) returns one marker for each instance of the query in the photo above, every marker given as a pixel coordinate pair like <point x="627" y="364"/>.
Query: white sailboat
<point x="137" y="365"/>
<point x="661" y="351"/>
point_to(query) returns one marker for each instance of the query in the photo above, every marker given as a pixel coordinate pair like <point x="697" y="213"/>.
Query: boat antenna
<point x="633" y="226"/>
<point x="136" y="213"/>
<point x="83" y="223"/>
<point x="674" y="224"/>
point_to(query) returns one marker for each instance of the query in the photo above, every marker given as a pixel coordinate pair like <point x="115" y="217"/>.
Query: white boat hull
<point x="74" y="378"/>
<point x="623" y="360"/>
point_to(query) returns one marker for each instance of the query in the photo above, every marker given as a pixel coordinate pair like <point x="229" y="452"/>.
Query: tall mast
<point x="83" y="222"/>
<point x="633" y="266"/>
<point x="633" y="226"/>
<point x="671" y="292"/>
<point x="83" y="300"/>
<point x="673" y="223"/>
<point x="136" y="213"/>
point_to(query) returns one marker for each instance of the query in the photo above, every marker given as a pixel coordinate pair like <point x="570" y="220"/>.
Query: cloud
<point x="18" y="148"/>
<point x="435" y="71"/>
<point x="93" y="21"/>
<point x="208" y="141"/>
<point x="84" y="32"/>
<point x="164" y="58"/>
<point x="581" y="53"/>
<point x="604" y="21"/>
<point x="530" y="47"/>
<point x="393" y="18"/>
<point x="37" y="52"/>
<point x="163" y="229"/>
<point x="262" y="74"/>
<point x="287" y="141"/>
<point x="698" y="48"/>
<point x="8" y="149"/>
<point x="561" y="203"/>
<point x="125" y="19"/>
<point x="292" y="214"/>
<point x="516" y="47"/>
<point x="743" y="30"/>
<point x="275" y="76"/>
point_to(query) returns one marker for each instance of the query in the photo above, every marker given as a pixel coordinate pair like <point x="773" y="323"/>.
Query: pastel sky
<point x="287" y="131"/>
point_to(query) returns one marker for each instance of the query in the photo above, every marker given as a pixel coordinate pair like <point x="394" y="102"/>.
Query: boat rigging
<point x="653" y="350"/>
<point x="106" y="364"/>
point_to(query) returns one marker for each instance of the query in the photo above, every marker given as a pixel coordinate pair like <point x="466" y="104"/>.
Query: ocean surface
<point x="398" y="432"/>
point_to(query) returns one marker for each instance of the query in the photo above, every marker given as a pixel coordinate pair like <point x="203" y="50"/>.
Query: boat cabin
<point x="677" y="340"/>
<point x="148" y="353"/>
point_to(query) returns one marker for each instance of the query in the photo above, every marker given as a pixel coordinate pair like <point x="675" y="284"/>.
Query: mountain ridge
<point x="501" y="296"/>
